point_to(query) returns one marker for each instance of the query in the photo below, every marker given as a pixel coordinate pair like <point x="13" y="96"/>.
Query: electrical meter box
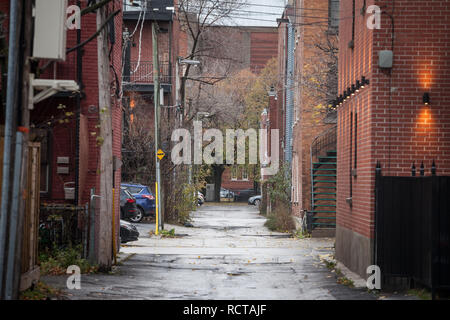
<point x="50" y="29"/>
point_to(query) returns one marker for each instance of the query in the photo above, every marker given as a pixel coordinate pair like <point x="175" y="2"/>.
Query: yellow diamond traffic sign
<point x="160" y="154"/>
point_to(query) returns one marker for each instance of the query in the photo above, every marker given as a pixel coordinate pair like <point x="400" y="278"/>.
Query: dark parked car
<point x="145" y="200"/>
<point x="243" y="195"/>
<point x="128" y="232"/>
<point x="255" y="200"/>
<point x="128" y="208"/>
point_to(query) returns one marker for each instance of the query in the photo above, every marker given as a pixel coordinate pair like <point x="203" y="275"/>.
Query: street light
<point x="188" y="61"/>
<point x="203" y="114"/>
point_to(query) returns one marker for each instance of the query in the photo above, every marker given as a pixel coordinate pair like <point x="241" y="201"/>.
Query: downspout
<point x="78" y="113"/>
<point x="14" y="219"/>
<point x="11" y="104"/>
<point x="289" y="94"/>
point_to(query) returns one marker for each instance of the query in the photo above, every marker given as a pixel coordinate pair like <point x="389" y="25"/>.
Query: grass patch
<point x="299" y="234"/>
<point x="346" y="282"/>
<point x="330" y="264"/>
<point x="422" y="294"/>
<point x="40" y="291"/>
<point x="56" y="261"/>
<point x="165" y="233"/>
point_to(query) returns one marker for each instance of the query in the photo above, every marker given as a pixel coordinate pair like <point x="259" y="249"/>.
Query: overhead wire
<point x="144" y="8"/>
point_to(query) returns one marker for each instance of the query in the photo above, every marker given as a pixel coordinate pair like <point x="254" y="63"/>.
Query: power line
<point x="236" y="14"/>
<point x="271" y="6"/>
<point x="262" y="12"/>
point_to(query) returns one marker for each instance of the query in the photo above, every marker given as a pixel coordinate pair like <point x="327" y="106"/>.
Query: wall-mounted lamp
<point x="426" y="98"/>
<point x="351" y="91"/>
<point x="364" y="81"/>
<point x="358" y="85"/>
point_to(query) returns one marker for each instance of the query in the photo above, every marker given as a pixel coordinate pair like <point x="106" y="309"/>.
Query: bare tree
<point x="320" y="70"/>
<point x="209" y="44"/>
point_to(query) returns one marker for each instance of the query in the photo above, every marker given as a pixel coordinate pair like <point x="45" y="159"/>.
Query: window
<point x="234" y="174"/>
<point x="245" y="174"/>
<point x="295" y="181"/>
<point x="42" y="136"/>
<point x="351" y="155"/>
<point x="134" y="190"/>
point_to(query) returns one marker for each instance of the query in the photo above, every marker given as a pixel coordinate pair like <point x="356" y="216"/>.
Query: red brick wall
<point x="394" y="126"/>
<point x="353" y="64"/>
<point x="263" y="47"/>
<point x="234" y="185"/>
<point x="63" y="135"/>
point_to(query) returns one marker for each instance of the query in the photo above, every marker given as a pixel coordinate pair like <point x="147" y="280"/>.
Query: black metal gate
<point x="412" y="228"/>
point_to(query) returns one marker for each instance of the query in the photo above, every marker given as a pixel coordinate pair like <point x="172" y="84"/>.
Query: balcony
<point x="142" y="78"/>
<point x="156" y="10"/>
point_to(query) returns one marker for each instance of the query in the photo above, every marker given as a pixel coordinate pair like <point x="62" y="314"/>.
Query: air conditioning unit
<point x="50" y="30"/>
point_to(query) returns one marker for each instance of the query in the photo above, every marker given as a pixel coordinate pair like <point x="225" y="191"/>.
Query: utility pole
<point x="156" y="99"/>
<point x="104" y="257"/>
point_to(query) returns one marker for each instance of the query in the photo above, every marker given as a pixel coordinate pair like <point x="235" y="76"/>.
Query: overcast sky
<point x="259" y="13"/>
<point x="262" y="13"/>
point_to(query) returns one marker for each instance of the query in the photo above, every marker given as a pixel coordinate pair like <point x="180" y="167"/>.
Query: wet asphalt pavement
<point x="229" y="254"/>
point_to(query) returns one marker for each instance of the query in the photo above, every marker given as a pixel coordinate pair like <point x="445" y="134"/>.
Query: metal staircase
<point x="323" y="181"/>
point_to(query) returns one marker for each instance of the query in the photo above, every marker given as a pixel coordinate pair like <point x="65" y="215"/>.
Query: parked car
<point x="225" y="193"/>
<point x="128" y="232"/>
<point x="145" y="200"/>
<point x="200" y="198"/>
<point x="128" y="208"/>
<point x="244" y="195"/>
<point x="255" y="200"/>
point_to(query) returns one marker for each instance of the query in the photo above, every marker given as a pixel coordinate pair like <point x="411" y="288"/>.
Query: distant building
<point x="257" y="45"/>
<point x="313" y="87"/>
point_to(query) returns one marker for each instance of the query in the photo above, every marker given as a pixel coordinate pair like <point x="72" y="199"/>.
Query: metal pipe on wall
<point x="14" y="219"/>
<point x="11" y="106"/>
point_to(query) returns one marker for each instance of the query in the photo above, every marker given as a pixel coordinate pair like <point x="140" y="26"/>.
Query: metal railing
<point x="324" y="141"/>
<point x="142" y="72"/>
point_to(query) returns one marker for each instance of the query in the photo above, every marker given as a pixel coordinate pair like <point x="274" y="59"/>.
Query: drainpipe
<point x="289" y="94"/>
<point x="11" y="106"/>
<point x="14" y="219"/>
<point x="78" y="114"/>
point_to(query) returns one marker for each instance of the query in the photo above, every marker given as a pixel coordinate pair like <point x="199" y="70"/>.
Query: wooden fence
<point x="29" y="267"/>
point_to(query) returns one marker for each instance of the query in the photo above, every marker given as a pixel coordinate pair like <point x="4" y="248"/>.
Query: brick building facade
<point x="311" y="115"/>
<point x="69" y="132"/>
<point x="387" y="121"/>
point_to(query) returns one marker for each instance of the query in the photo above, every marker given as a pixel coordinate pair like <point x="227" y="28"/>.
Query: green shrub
<point x="40" y="291"/>
<point x="57" y="261"/>
<point x="278" y="193"/>
<point x="280" y="219"/>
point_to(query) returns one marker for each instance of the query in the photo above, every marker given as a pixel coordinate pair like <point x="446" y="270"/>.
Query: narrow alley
<point x="229" y="254"/>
